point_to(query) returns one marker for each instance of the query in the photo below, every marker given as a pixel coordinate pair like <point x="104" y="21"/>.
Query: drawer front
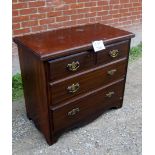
<point x="113" y="52"/>
<point x="69" y="114"/>
<point x="70" y="65"/>
<point x="86" y="82"/>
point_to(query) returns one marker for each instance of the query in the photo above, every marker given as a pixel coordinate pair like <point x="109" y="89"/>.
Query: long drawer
<point x="72" y="112"/>
<point x="63" y="90"/>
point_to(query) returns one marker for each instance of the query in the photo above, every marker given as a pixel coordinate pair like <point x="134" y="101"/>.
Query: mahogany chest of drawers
<point x="66" y="83"/>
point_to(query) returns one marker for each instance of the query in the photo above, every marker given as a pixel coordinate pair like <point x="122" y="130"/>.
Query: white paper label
<point x="98" y="45"/>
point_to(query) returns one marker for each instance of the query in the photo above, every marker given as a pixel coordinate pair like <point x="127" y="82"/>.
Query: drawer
<point x="113" y="52"/>
<point x="86" y="81"/>
<point x="70" y="65"/>
<point x="71" y="113"/>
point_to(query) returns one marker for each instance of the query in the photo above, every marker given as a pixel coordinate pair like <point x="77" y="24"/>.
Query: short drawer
<point x="86" y="81"/>
<point x="66" y="115"/>
<point x="70" y="65"/>
<point x="113" y="52"/>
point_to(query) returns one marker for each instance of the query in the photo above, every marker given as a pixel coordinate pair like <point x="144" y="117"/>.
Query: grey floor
<point x="116" y="132"/>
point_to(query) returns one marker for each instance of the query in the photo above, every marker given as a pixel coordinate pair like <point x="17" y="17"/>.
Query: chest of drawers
<point x="65" y="82"/>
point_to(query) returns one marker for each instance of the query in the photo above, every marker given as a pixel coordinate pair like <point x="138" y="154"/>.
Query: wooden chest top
<point x="56" y="43"/>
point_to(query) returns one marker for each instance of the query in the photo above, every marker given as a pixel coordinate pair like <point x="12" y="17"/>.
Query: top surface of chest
<point x="60" y="42"/>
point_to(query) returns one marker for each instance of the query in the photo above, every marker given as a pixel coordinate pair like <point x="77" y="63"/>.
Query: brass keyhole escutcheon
<point x="112" y="72"/>
<point x="110" y="94"/>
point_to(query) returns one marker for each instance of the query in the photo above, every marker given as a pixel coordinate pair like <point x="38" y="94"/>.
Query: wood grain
<point x="58" y="67"/>
<point x="43" y="60"/>
<point x="104" y="57"/>
<point x="62" y="42"/>
<point x="87" y="105"/>
<point x="88" y="81"/>
<point x="35" y="91"/>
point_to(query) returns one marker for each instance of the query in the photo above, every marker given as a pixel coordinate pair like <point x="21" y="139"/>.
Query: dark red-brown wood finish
<point x="65" y="82"/>
<point x="35" y="91"/>
<point x="88" y="81"/>
<point x="73" y="40"/>
<point x="85" y="59"/>
<point x="86" y="106"/>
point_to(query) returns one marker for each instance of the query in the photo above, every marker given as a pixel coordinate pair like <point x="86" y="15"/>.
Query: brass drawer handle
<point x="73" y="66"/>
<point x="114" y="53"/>
<point x="112" y="72"/>
<point x="73" y="112"/>
<point x="110" y="94"/>
<point x="73" y="88"/>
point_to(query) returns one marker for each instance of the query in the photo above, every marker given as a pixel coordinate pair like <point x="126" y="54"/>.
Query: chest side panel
<point x="35" y="93"/>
